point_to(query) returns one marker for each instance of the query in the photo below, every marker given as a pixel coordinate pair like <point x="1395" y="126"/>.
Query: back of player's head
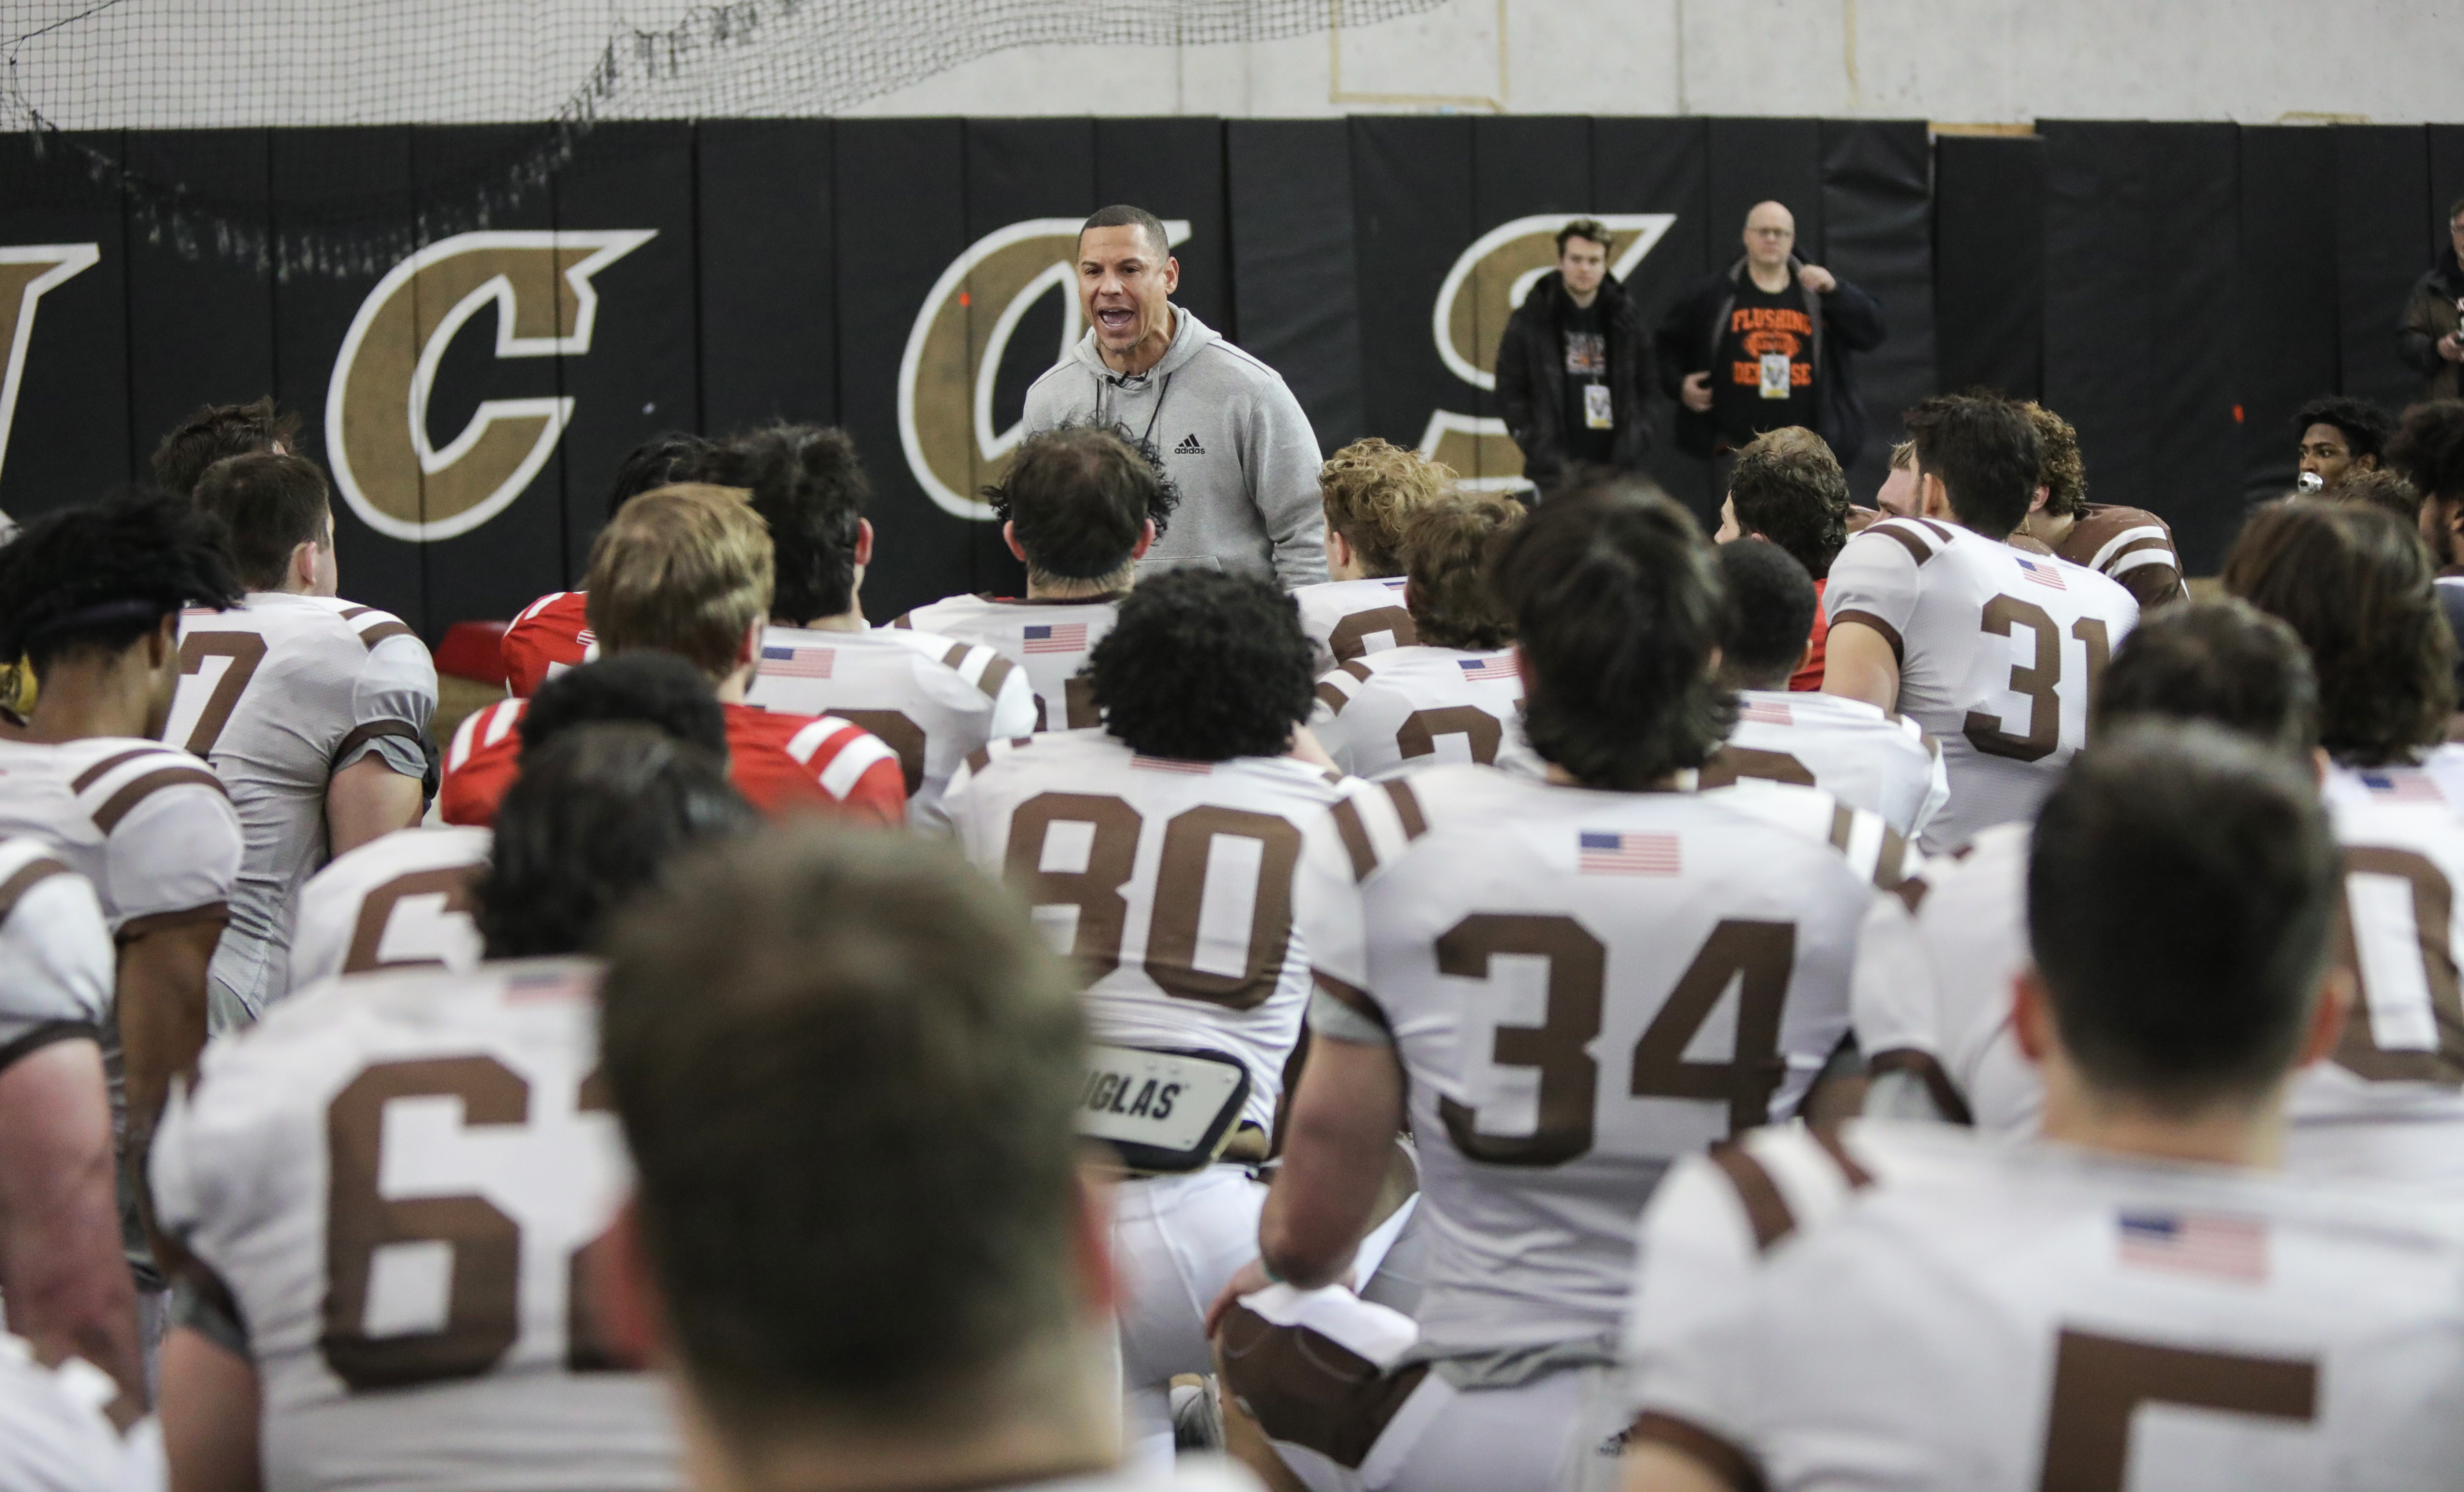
<point x="1787" y="486"/>
<point x="1204" y="666"/>
<point x="216" y="431"/>
<point x="1079" y="497"/>
<point x="685" y="569"/>
<point x="2181" y="887"/>
<point x="1771" y="605"/>
<point x="269" y="505"/>
<point x="99" y="575"/>
<point x="1449" y="544"/>
<point x="1986" y="453"/>
<point x="1371" y="490"/>
<point x="2363" y="425"/>
<point x="2382" y="488"/>
<point x="2429" y="448"/>
<point x="848" y="1067"/>
<point x="2059" y="470"/>
<point x="1617" y="606"/>
<point x="2223" y="662"/>
<point x="595" y="815"/>
<point x="658" y="689"/>
<point x="2357" y="586"/>
<point x="810" y="489"/>
<point x="666" y="457"/>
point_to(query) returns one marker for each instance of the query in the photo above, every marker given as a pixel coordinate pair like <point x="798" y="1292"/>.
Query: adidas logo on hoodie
<point x="1189" y="445"/>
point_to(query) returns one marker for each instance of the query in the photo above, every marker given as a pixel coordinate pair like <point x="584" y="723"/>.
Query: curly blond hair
<point x="1371" y="488"/>
<point x="2060" y="473"/>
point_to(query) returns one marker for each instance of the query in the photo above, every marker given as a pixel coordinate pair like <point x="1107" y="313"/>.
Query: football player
<point x="2043" y="1315"/>
<point x="1371" y="490"/>
<point x="867" y="1019"/>
<point x="1992" y="651"/>
<point x="405" y="899"/>
<point x="1847" y="747"/>
<point x="313" y="712"/>
<point x="1455" y="694"/>
<point x="62" y="1431"/>
<point x="1080" y="505"/>
<point x="1546" y="979"/>
<point x="1786" y="487"/>
<point x="93" y="596"/>
<point x="458" y="1115"/>
<point x="934" y="701"/>
<point x="216" y="431"/>
<point x="687" y="570"/>
<point x="2129" y="544"/>
<point x="553" y="633"/>
<point x="1161" y="852"/>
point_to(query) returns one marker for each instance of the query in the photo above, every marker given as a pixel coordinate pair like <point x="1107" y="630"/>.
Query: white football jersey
<point x="147" y="825"/>
<point x="55" y="1436"/>
<point x="933" y="701"/>
<point x="58" y="966"/>
<point x="1170" y="882"/>
<point x="1345" y="620"/>
<point x="1405" y="709"/>
<point x="1582" y="987"/>
<point x="1882" y="763"/>
<point x="1048" y="639"/>
<point x="395" y="902"/>
<point x="394" y="1177"/>
<point x="280" y="692"/>
<point x="1999" y="654"/>
<point x="2047" y="1317"/>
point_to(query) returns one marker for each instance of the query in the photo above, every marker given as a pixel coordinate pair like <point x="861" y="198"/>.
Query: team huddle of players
<point x="1566" y="1001"/>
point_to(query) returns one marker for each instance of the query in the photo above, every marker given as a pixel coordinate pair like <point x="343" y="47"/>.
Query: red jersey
<point x="780" y="763"/>
<point x="551" y="635"/>
<point x="1809" y="677"/>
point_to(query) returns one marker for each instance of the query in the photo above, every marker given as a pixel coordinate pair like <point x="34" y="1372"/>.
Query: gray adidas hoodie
<point x="1231" y="434"/>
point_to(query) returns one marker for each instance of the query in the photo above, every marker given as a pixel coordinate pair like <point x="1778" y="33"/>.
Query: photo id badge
<point x="1595" y="403"/>
<point x="1775" y="375"/>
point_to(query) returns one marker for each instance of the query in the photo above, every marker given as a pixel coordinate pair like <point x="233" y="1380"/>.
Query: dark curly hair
<point x="2060" y="471"/>
<point x="2363" y="425"/>
<point x="2355" y="584"/>
<point x="1618" y="605"/>
<point x="219" y="430"/>
<point x="1079" y="494"/>
<point x="593" y="819"/>
<point x="808" y="486"/>
<point x="99" y="575"/>
<point x="2429" y="449"/>
<point x="653" y="464"/>
<point x="1788" y="487"/>
<point x="1448" y="544"/>
<point x="1204" y="666"/>
<point x="643" y="687"/>
<point x="1771" y="604"/>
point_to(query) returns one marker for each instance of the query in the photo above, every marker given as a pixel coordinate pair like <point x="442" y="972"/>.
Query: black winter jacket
<point x="1531" y="378"/>
<point x="2428" y="314"/>
<point x="1845" y="320"/>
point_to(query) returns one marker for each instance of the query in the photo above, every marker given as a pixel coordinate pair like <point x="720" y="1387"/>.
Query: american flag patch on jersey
<point x="1170" y="765"/>
<point x="1766" y="713"/>
<point x="2403" y="787"/>
<point x="1489" y="670"/>
<point x="2042" y="574"/>
<point x="586" y="638"/>
<point x="556" y="985"/>
<point x="2208" y="1244"/>
<point x="1061" y="637"/>
<point x="1603" y="853"/>
<point x="797" y="663"/>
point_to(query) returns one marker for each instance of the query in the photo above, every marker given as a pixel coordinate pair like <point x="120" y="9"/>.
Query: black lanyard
<point x="1145" y="437"/>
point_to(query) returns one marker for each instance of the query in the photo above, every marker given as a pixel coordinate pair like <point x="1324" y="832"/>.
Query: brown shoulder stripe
<point x="362" y="734"/>
<point x="1851" y="1170"/>
<point x="1931" y="527"/>
<point x="122" y="804"/>
<point x="996" y="674"/>
<point x="1336" y="698"/>
<point x="1843" y="826"/>
<point x="1351" y="996"/>
<point x="1918" y="549"/>
<point x="349" y="612"/>
<point x="2134" y="547"/>
<point x="1355" y="839"/>
<point x="1766" y="1210"/>
<point x="1732" y="1467"/>
<point x="980" y="758"/>
<point x="1406" y="808"/>
<point x="51" y="1033"/>
<point x="1911" y="893"/>
<point x="95" y="773"/>
<point x="1357" y="668"/>
<point x="38" y="869"/>
<point x="1887" y="864"/>
<point x="1948" y="1100"/>
<point x="1890" y="633"/>
<point x="382" y="631"/>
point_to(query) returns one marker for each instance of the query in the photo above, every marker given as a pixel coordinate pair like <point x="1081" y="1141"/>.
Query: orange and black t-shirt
<point x="1763" y="325"/>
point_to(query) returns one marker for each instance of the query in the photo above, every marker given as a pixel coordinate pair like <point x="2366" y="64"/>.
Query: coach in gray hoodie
<point x="1231" y="435"/>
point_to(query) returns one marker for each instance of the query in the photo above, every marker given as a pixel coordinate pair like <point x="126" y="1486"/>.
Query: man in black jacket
<point x="1572" y="366"/>
<point x="1764" y="344"/>
<point x="2430" y="337"/>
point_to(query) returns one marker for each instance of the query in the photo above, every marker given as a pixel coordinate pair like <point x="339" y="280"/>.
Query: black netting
<point x="72" y="70"/>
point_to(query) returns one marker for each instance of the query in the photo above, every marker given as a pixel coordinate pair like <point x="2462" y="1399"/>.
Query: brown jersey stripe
<point x="996" y="673"/>
<point x="1918" y="549"/>
<point x="1851" y="1170"/>
<point x="1733" y="1467"/>
<point x="27" y="874"/>
<point x="95" y="773"/>
<point x="1407" y="808"/>
<point x="1357" y="668"/>
<point x="1937" y="530"/>
<point x="1843" y="825"/>
<point x="50" y="1033"/>
<point x="1766" y="1210"/>
<point x="1355" y="839"/>
<point x="1310" y="1389"/>
<point x="980" y="758"/>
<point x="362" y="734"/>
<point x="1911" y="893"/>
<point x="1336" y="698"/>
<point x="1927" y="1069"/>
<point x="122" y="804"/>
<point x="1889" y="864"/>
<point x="2134" y="547"/>
<point x="1890" y="633"/>
<point x="1351" y="996"/>
<point x="382" y="631"/>
<point x="135" y="928"/>
<point x="348" y="612"/>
